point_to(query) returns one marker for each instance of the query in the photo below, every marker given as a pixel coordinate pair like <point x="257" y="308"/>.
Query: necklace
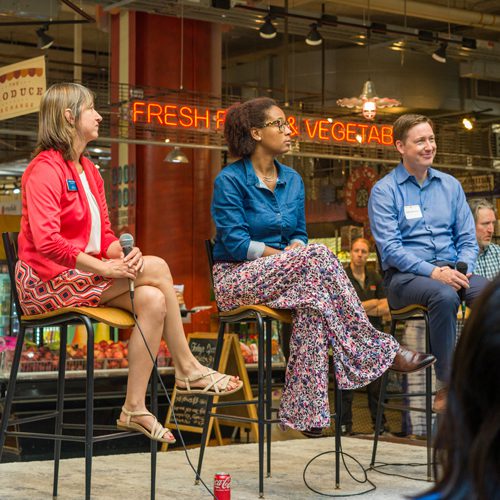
<point x="270" y="178"/>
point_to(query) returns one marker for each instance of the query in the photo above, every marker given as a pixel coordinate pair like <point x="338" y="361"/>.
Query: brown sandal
<point x="156" y="433"/>
<point x="216" y="387"/>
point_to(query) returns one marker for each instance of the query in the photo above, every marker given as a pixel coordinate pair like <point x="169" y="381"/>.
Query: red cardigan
<point x="56" y="220"/>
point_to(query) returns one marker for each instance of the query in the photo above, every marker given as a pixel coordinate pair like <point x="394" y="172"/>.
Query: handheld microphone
<point x="462" y="268"/>
<point x="127" y="244"/>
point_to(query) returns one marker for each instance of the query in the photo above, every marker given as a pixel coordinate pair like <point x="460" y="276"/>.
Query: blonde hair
<point x="54" y="130"/>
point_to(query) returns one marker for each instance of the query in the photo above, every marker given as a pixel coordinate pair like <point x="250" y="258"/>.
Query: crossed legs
<point x="158" y="314"/>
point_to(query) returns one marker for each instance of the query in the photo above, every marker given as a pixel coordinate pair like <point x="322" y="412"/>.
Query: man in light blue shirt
<point x="423" y="226"/>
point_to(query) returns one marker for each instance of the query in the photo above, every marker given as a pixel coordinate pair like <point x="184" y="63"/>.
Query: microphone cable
<point x="155" y="367"/>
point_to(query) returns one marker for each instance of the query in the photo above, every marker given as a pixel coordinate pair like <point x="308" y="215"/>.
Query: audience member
<point x="488" y="262"/>
<point x="368" y="286"/>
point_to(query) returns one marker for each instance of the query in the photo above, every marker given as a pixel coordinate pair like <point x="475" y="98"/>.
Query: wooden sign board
<point x="189" y="409"/>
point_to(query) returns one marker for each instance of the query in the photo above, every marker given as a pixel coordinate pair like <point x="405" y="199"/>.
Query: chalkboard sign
<point x="203" y="347"/>
<point x="190" y="409"/>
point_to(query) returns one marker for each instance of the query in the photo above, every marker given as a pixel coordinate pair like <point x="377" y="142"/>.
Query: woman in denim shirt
<point x="262" y="257"/>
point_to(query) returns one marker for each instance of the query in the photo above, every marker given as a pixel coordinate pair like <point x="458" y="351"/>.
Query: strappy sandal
<point x="156" y="433"/>
<point x="217" y="386"/>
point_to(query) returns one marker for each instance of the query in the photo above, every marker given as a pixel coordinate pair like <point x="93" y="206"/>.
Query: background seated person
<point x="368" y="286"/>
<point x="488" y="262"/>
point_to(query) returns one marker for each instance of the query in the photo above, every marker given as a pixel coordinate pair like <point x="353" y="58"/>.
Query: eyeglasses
<point x="278" y="123"/>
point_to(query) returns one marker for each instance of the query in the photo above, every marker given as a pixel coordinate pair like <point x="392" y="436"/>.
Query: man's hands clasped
<point x="451" y="277"/>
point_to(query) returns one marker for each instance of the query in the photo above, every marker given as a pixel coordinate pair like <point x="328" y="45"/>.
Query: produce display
<point x="107" y="355"/>
<point x="249" y="350"/>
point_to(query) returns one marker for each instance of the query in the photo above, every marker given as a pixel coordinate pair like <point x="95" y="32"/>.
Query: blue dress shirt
<point x="248" y="215"/>
<point x="417" y="226"/>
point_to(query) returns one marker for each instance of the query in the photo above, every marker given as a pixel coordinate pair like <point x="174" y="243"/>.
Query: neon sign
<point x="312" y="129"/>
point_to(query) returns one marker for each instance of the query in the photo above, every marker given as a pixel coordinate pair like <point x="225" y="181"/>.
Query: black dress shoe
<point x="314" y="432"/>
<point x="408" y="361"/>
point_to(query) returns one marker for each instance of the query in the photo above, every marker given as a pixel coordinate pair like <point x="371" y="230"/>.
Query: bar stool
<point x="63" y="317"/>
<point x="262" y="316"/>
<point x="413" y="312"/>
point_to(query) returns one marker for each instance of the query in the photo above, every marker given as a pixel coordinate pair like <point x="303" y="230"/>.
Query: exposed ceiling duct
<point x="425" y="10"/>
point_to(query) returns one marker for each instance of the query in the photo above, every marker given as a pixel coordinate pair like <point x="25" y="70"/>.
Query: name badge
<point x="413" y="212"/>
<point x="71" y="185"/>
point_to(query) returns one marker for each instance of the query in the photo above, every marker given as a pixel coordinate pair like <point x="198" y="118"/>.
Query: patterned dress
<point x="311" y="282"/>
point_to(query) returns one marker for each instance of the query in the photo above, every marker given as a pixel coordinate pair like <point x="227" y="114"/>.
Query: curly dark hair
<point x="240" y="119"/>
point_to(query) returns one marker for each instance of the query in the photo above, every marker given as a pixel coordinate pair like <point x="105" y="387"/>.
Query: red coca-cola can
<point x="222" y="486"/>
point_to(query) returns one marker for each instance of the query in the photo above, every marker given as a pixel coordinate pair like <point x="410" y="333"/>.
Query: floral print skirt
<point x="326" y="310"/>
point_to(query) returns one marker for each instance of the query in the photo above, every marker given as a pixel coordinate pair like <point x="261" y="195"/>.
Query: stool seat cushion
<point x="118" y="318"/>
<point x="283" y="315"/>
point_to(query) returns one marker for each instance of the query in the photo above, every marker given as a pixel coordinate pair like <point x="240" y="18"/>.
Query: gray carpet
<point x="127" y="476"/>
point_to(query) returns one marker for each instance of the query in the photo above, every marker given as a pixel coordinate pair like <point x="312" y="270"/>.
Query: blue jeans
<point x="442" y="302"/>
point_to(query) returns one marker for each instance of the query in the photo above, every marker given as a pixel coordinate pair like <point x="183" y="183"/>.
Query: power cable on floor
<point x="378" y="465"/>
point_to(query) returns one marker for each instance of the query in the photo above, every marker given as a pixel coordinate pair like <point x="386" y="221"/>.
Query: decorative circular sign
<point x="357" y="191"/>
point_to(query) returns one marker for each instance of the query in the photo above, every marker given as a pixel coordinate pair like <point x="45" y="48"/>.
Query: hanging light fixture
<point x="314" y="36"/>
<point x="440" y="54"/>
<point x="176" y="155"/>
<point x="267" y="30"/>
<point x="44" y="40"/>
<point x="368" y="101"/>
<point x="468" y="122"/>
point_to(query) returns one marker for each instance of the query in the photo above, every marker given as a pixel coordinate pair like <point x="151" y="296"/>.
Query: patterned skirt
<point x="70" y="288"/>
<point x="327" y="313"/>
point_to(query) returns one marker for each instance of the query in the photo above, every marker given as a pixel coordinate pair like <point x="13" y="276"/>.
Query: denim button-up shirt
<point x="248" y="216"/>
<point x="417" y="226"/>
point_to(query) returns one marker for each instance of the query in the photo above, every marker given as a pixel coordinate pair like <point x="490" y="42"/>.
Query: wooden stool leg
<point x="7" y="407"/>
<point x="59" y="406"/>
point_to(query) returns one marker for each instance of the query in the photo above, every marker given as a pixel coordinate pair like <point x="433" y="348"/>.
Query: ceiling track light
<point x="176" y="155"/>
<point x="267" y="30"/>
<point x="314" y="36"/>
<point x="440" y="54"/>
<point x="44" y="40"/>
<point x="469" y="43"/>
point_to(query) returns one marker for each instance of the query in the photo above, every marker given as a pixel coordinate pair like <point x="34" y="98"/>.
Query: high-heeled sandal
<point x="157" y="430"/>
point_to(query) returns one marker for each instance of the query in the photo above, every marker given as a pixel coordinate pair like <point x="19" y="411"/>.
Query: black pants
<point x="373" y="391"/>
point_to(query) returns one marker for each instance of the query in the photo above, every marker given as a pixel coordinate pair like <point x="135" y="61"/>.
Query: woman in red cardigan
<point x="69" y="256"/>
